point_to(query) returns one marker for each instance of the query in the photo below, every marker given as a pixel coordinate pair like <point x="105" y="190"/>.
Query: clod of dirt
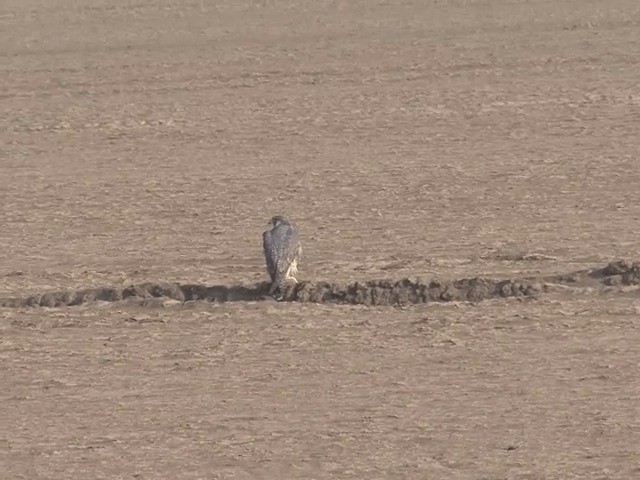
<point x="617" y="268"/>
<point x="618" y="272"/>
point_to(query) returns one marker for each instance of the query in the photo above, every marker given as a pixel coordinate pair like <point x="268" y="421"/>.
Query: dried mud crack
<point x="377" y="292"/>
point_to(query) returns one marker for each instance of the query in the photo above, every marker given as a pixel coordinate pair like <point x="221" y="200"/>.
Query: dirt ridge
<point x="374" y="292"/>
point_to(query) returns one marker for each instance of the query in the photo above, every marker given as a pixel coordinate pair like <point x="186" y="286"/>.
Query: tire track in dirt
<point x="376" y="292"/>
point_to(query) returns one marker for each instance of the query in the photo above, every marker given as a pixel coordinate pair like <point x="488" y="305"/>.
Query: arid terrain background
<point x="152" y="141"/>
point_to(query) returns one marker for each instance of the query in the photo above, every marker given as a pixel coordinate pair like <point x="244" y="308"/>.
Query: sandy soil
<point x="450" y="139"/>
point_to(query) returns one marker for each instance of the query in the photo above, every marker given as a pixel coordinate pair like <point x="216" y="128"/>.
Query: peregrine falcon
<point x="282" y="252"/>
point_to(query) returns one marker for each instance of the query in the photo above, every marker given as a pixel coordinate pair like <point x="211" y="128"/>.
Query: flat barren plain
<point x="485" y="151"/>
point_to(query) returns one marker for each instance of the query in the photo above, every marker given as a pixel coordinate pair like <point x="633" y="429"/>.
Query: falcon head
<point x="279" y="220"/>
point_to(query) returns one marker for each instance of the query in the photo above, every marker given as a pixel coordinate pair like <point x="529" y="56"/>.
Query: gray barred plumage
<point x="282" y="253"/>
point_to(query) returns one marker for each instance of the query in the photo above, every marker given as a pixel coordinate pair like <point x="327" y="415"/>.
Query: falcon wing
<point x="270" y="253"/>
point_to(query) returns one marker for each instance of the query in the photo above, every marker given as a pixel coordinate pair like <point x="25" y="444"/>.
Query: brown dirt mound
<point x="378" y="292"/>
<point x="405" y="292"/>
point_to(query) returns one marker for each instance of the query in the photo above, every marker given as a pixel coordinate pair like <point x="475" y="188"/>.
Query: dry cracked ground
<point x="148" y="143"/>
